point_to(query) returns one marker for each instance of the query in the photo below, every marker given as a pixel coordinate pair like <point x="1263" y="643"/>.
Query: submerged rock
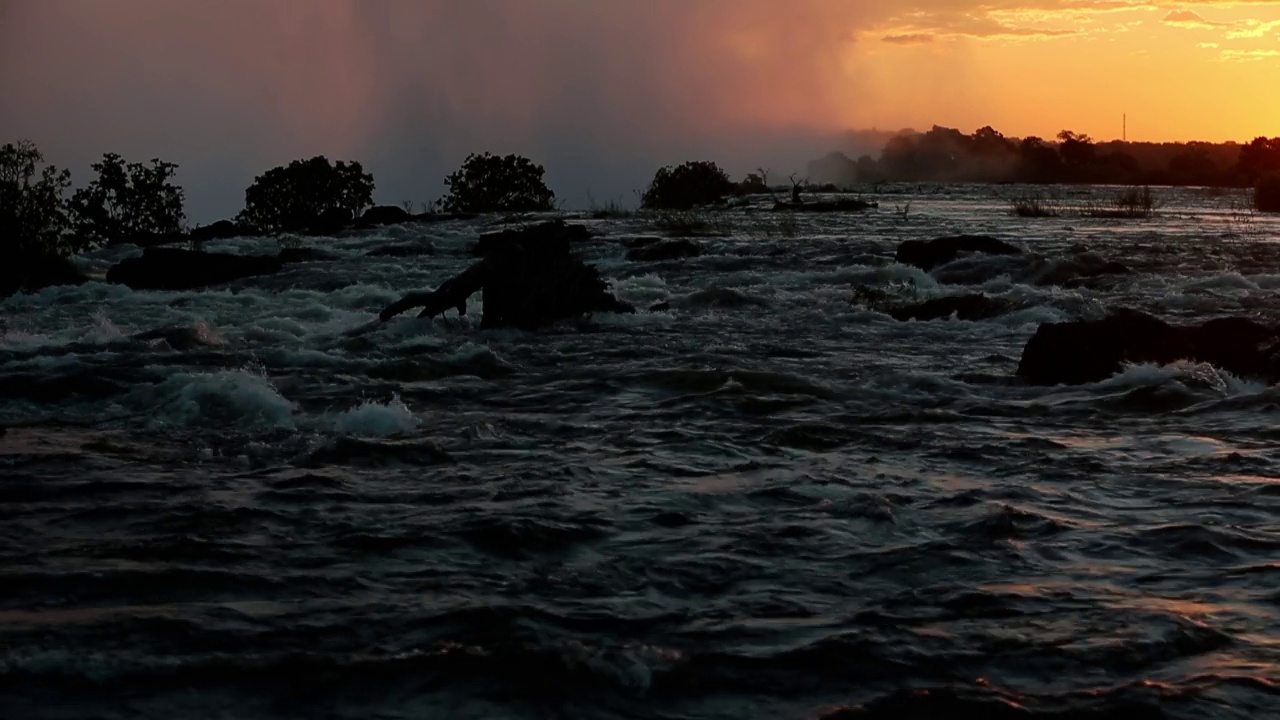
<point x="529" y="279"/>
<point x="1072" y="353"/>
<point x="940" y="251"/>
<point x="826" y="206"/>
<point x="177" y="269"/>
<point x="666" y="250"/>
<point x="399" y="250"/>
<point x="963" y="307"/>
<point x="1084" y="270"/>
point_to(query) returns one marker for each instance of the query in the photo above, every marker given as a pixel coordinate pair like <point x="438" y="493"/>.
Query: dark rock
<point x="639" y="241"/>
<point x="414" y="249"/>
<point x="221" y="230"/>
<point x="826" y="206"/>
<point x="1089" y="351"/>
<point x="660" y="307"/>
<point x="330" y="222"/>
<point x="667" y="250"/>
<point x="429" y="217"/>
<point x="963" y="307"/>
<point x="304" y="255"/>
<point x="940" y="251"/>
<point x="177" y="338"/>
<point x="152" y="240"/>
<point x="553" y="237"/>
<point x="385" y="215"/>
<point x="29" y="273"/>
<point x="177" y="269"/>
<point x="1080" y="269"/>
<point x="529" y="278"/>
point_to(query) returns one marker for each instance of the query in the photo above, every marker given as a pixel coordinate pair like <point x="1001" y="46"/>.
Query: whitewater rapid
<point x="764" y="501"/>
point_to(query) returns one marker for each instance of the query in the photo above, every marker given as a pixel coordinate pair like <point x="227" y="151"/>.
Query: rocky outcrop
<point x="552" y="238"/>
<point x="385" y="215"/>
<point x="1078" y="352"/>
<point x="330" y="222"/>
<point x="940" y="251"/>
<point x="963" y="307"/>
<point x="177" y="269"/>
<point x="221" y="230"/>
<point x="30" y="273"/>
<point x="530" y="280"/>
<point x="665" y="250"/>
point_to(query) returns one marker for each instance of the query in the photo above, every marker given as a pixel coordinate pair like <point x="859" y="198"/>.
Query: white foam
<point x="374" y="419"/>
<point x="239" y="397"/>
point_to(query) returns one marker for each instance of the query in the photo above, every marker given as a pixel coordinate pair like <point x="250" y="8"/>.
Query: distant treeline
<point x="948" y="155"/>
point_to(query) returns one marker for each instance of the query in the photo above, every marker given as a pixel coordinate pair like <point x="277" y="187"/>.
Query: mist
<point x="600" y="93"/>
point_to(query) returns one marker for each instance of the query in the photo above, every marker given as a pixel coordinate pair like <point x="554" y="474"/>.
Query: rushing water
<point x="766" y="502"/>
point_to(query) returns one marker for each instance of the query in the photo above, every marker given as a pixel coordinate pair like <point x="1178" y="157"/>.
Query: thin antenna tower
<point x="1124" y="132"/>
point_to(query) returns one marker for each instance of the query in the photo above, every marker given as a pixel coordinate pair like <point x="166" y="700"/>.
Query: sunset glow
<point x="627" y="86"/>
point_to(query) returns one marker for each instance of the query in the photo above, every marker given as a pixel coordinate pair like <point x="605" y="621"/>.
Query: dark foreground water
<point x="765" y="503"/>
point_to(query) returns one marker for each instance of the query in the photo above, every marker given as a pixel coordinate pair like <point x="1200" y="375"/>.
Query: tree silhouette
<point x="491" y="183"/>
<point x="292" y="198"/>
<point x="33" y="215"/>
<point x="687" y="186"/>
<point x="127" y="201"/>
<point x="1260" y="158"/>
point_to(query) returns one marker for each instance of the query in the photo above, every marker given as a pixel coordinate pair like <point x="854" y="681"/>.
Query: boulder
<point x="221" y="230"/>
<point x="177" y="269"/>
<point x="529" y="279"/>
<point x="1071" y="353"/>
<point x="399" y="250"/>
<point x="330" y="222"/>
<point x="964" y="307"/>
<point x="553" y="238"/>
<point x="940" y="251"/>
<point x="29" y="273"/>
<point x="667" y="250"/>
<point x="385" y="215"/>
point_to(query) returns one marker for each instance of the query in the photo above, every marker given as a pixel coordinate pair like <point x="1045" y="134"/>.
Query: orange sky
<point x="604" y="91"/>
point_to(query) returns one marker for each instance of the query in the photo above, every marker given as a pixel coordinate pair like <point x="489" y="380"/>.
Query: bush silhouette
<point x="687" y="186"/>
<point x="127" y="200"/>
<point x="1266" y="196"/>
<point x="292" y="198"/>
<point x="491" y="183"/>
<point x="33" y="214"/>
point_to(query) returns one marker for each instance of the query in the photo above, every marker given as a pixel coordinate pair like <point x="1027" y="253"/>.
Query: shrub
<point x="1034" y="206"/>
<point x="292" y="198"/>
<point x="1266" y="196"/>
<point x="609" y="211"/>
<point x="687" y="186"/>
<point x="127" y="200"/>
<point x="1131" y="203"/>
<point x="491" y="183"/>
<point x="683" y="223"/>
<point x="33" y="215"/>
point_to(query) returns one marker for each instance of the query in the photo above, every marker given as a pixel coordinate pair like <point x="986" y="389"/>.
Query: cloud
<point x="1191" y="19"/>
<point x="1248" y="55"/>
<point x="908" y="39"/>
